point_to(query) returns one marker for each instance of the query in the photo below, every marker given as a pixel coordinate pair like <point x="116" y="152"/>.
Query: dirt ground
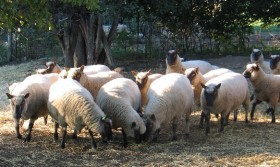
<point x="254" y="144"/>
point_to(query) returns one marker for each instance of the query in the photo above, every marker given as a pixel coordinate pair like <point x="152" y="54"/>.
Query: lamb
<point x="92" y="82"/>
<point x="120" y="99"/>
<point x="70" y="104"/>
<point x="195" y="77"/>
<point x="266" y="88"/>
<point x="274" y="64"/>
<point x="169" y="98"/>
<point x="223" y="94"/>
<point x="257" y="57"/>
<point x="144" y="80"/>
<point x="28" y="100"/>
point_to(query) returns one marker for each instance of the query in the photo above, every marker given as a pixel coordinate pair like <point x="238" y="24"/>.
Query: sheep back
<point x="204" y="66"/>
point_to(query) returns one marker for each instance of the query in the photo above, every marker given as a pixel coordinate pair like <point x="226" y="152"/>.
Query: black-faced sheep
<point x="28" y="100"/>
<point x="257" y="57"/>
<point x="274" y="64"/>
<point x="92" y="82"/>
<point x="70" y="104"/>
<point x="144" y="80"/>
<point x="223" y="94"/>
<point x="170" y="98"/>
<point x="266" y="88"/>
<point x="120" y="99"/>
<point x="173" y="63"/>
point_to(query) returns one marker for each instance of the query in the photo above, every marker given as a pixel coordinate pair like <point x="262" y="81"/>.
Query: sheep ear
<point x="153" y="117"/>
<point x="257" y="67"/>
<point x="202" y="85"/>
<point x="9" y="95"/>
<point x="134" y="73"/>
<point x="218" y="86"/>
<point x="133" y="125"/>
<point x="66" y="68"/>
<point x="150" y="71"/>
<point x="26" y="95"/>
<point x="197" y="70"/>
<point x="82" y="68"/>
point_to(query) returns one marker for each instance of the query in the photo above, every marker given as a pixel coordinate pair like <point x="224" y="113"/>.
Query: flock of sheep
<point x="98" y="99"/>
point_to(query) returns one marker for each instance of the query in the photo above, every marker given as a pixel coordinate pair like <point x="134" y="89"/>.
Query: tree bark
<point x="10" y="48"/>
<point x="80" y="51"/>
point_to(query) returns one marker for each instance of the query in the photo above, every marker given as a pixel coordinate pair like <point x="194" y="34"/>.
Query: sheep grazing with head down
<point x="144" y="80"/>
<point x="120" y="99"/>
<point x="28" y="100"/>
<point x="195" y="77"/>
<point x="274" y="64"/>
<point x="257" y="57"/>
<point x="266" y="88"/>
<point x="223" y="94"/>
<point x="70" y="104"/>
<point x="92" y="82"/>
<point x="170" y="98"/>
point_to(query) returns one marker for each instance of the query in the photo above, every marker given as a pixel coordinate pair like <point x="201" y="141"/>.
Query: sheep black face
<point x="210" y="93"/>
<point x="171" y="57"/>
<point x="18" y="103"/>
<point x="256" y="54"/>
<point x="149" y="122"/>
<point x="107" y="129"/>
<point x="274" y="61"/>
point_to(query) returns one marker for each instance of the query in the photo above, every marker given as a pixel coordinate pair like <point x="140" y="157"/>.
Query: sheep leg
<point x="235" y="116"/>
<point x="64" y="132"/>
<point x="187" y="126"/>
<point x="155" y="136"/>
<point x="46" y="119"/>
<point x="202" y="117"/>
<point x="28" y="135"/>
<point x="17" y="129"/>
<point x="74" y="135"/>
<point x="246" y="107"/>
<point x="271" y="110"/>
<point x="222" y="123"/>
<point x="55" y="135"/>
<point x="207" y="123"/>
<point x="174" y="127"/>
<point x="225" y="123"/>
<point x="124" y="139"/>
<point x="268" y="110"/>
<point x="256" y="102"/>
<point x="93" y="143"/>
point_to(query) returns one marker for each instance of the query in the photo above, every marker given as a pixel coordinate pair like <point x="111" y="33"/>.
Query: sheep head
<point x="106" y="133"/>
<point x="149" y="121"/>
<point x="75" y="73"/>
<point x="50" y="66"/>
<point x="210" y="93"/>
<point x="141" y="78"/>
<point x="192" y="73"/>
<point x="256" y="56"/>
<point x="171" y="57"/>
<point x="274" y="61"/>
<point x="17" y="104"/>
<point x="251" y="71"/>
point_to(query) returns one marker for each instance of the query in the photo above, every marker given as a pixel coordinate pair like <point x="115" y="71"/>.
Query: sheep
<point x="266" y="88"/>
<point x="195" y="77"/>
<point x="169" y="98"/>
<point x="51" y="67"/>
<point x="92" y="82"/>
<point x="173" y="63"/>
<point x="204" y="66"/>
<point x="120" y="99"/>
<point x="144" y="80"/>
<point x="70" y="104"/>
<point x="257" y="57"/>
<point x="28" y="100"/>
<point x="274" y="64"/>
<point x="223" y="94"/>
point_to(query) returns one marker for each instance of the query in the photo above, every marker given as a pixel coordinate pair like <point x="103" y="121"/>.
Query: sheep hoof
<point x="62" y="146"/>
<point x="273" y="121"/>
<point x="27" y="138"/>
<point x="247" y="121"/>
<point x="19" y="136"/>
<point x="74" y="136"/>
<point x="55" y="136"/>
<point x="125" y="145"/>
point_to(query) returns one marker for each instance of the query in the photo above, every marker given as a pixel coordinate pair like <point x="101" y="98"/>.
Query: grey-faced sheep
<point x="28" y="100"/>
<point x="170" y="98"/>
<point x="92" y="82"/>
<point x="144" y="80"/>
<point x="120" y="99"/>
<point x="223" y="94"/>
<point x="70" y="104"/>
<point x="266" y="88"/>
<point x="274" y="64"/>
<point x="257" y="57"/>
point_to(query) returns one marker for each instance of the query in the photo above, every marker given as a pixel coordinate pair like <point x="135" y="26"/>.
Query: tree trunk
<point x="80" y="51"/>
<point x="9" y="55"/>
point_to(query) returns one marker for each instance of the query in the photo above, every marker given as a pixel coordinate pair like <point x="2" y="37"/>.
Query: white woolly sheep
<point x="266" y="88"/>
<point x="173" y="63"/>
<point x="144" y="80"/>
<point x="28" y="100"/>
<point x="70" y="104"/>
<point x="170" y="98"/>
<point x="274" y="64"/>
<point x="92" y="82"/>
<point x="204" y="66"/>
<point x="224" y="94"/>
<point x="195" y="77"/>
<point x="120" y="99"/>
<point x="257" y="57"/>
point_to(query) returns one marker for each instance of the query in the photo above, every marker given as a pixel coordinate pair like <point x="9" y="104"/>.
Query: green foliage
<point x="89" y="4"/>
